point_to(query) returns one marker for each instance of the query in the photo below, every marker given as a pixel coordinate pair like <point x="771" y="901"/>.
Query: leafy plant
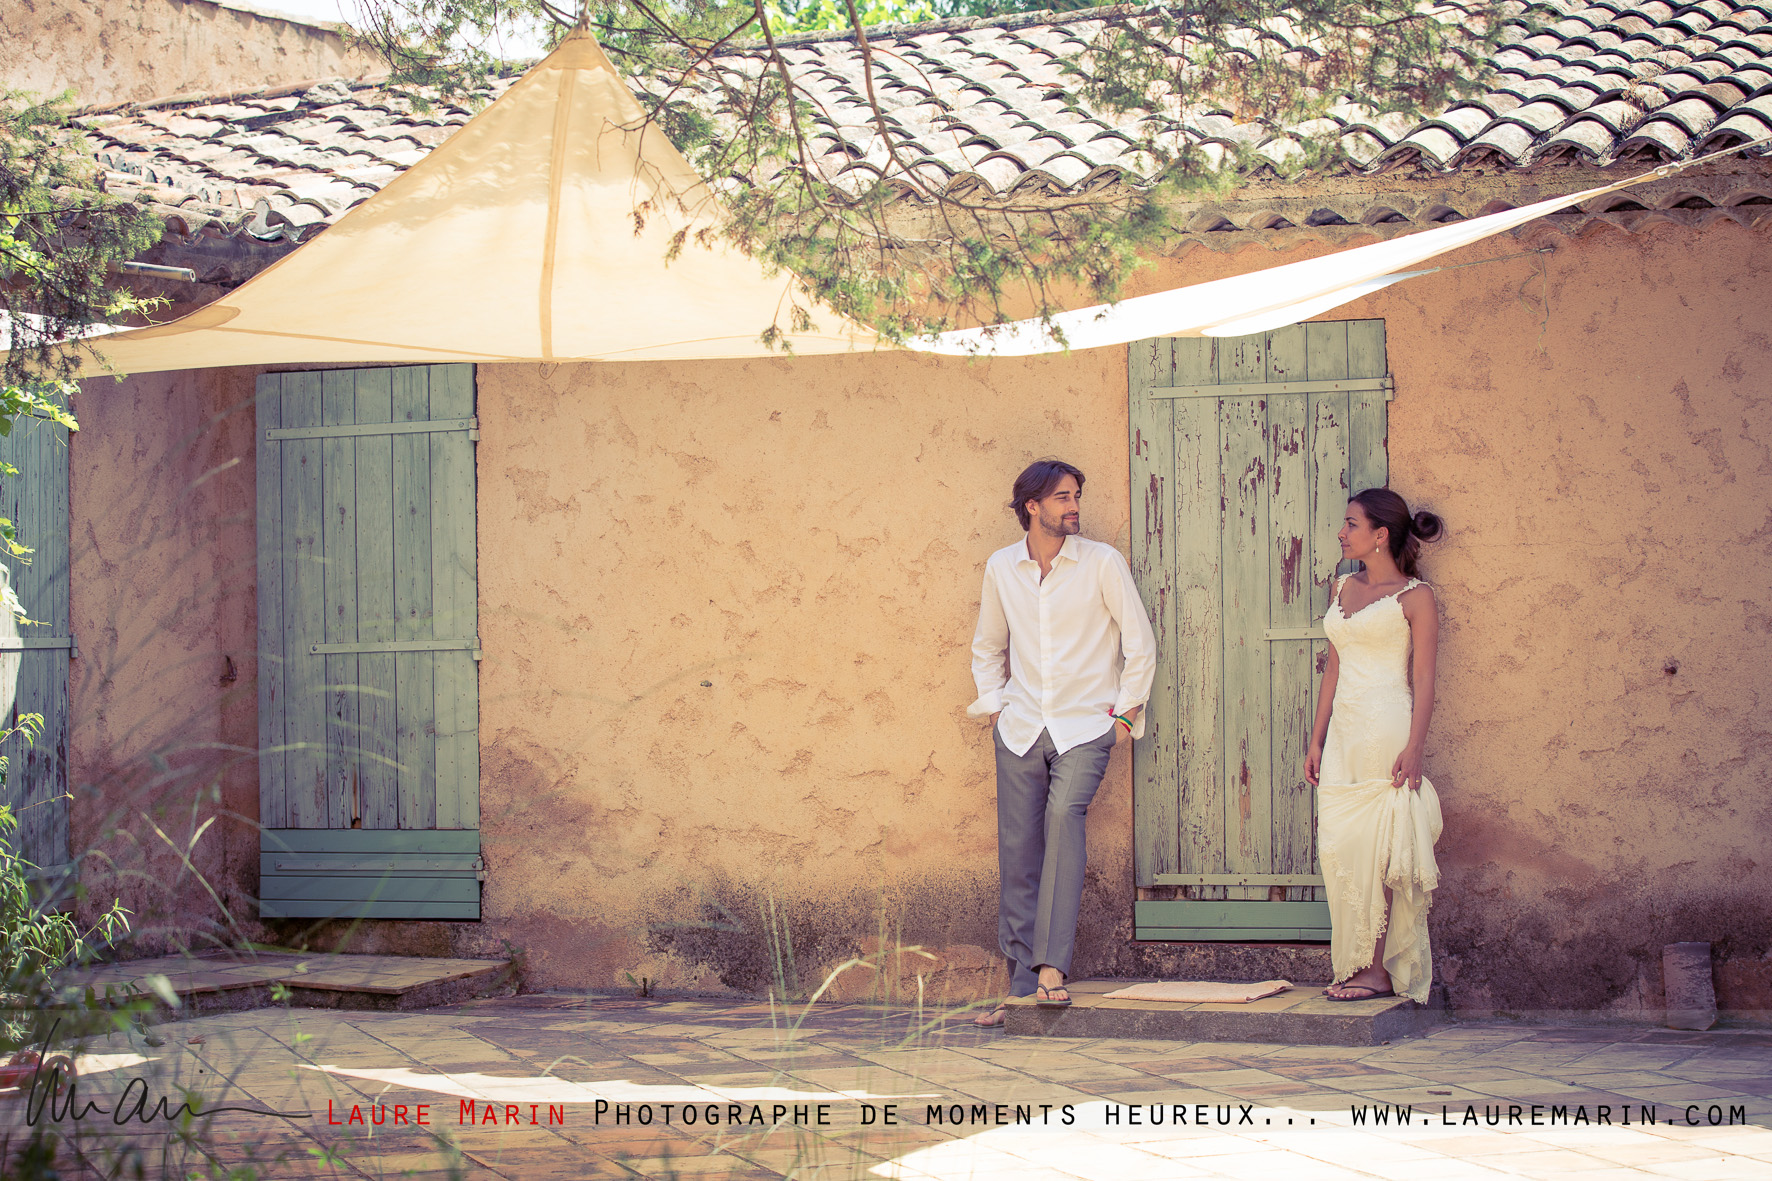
<point x="37" y="943"/>
<point x="887" y="241"/>
<point x="61" y="239"/>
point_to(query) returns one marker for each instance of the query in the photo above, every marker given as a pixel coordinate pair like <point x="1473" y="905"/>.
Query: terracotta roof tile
<point x="980" y="104"/>
<point x="1591" y="138"/>
<point x="1506" y="142"/>
<point x="1660" y="139"/>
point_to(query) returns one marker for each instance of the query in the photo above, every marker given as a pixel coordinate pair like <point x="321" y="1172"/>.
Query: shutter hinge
<point x="373" y="646"/>
<point x="36" y="643"/>
<point x="441" y="426"/>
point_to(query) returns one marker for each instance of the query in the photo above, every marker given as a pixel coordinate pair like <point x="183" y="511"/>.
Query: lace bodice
<point x="1372" y="645"/>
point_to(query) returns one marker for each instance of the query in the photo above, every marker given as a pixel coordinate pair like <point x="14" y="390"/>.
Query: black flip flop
<point x="1372" y="994"/>
<point x="1044" y="999"/>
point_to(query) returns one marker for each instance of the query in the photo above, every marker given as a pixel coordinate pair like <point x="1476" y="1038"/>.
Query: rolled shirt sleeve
<point x="1138" y="644"/>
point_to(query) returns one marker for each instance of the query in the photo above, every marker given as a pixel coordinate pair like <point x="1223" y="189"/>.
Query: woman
<point x="1377" y="817"/>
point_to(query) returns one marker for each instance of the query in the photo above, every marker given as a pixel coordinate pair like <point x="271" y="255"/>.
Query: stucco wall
<point x="163" y="720"/>
<point x="114" y="50"/>
<point x="808" y="537"/>
<point x="725" y="609"/>
<point x="1603" y="747"/>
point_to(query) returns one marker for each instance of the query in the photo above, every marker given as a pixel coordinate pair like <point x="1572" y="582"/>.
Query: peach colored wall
<point x="1603" y="747"/>
<point x="726" y="609"/>
<point x="163" y="597"/>
<point x="806" y="537"/>
<point x="114" y="50"/>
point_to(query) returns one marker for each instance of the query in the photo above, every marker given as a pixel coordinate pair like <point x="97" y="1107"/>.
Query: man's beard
<point x="1060" y="527"/>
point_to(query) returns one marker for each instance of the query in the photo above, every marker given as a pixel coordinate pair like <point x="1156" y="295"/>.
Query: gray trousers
<point x="1043" y="800"/>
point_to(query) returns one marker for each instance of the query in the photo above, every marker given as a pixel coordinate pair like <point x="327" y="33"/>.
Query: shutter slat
<point x="369" y="842"/>
<point x="304" y="610"/>
<point x="1199" y="617"/>
<point x="313" y="909"/>
<point x="1233" y="919"/>
<point x="1326" y="350"/>
<point x="1156" y="810"/>
<point x="414" y="693"/>
<point x="1289" y="606"/>
<point x="338" y="542"/>
<point x="376" y="775"/>
<point x="454" y="579"/>
<point x="355" y="890"/>
<point x="1248" y="757"/>
<point x="1368" y="465"/>
<point x="272" y="810"/>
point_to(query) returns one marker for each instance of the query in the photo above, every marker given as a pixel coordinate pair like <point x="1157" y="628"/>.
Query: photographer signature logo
<point x="55" y="1093"/>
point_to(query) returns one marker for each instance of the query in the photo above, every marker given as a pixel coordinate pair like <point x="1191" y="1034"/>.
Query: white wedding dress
<point x="1369" y="834"/>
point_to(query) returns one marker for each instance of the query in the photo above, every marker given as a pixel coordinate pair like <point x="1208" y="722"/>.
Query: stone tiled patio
<point x="233" y="980"/>
<point x="1291" y="1107"/>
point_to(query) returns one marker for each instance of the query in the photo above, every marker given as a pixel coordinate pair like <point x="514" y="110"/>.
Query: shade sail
<point x="514" y="240"/>
<point x="540" y="232"/>
<point x="1256" y="302"/>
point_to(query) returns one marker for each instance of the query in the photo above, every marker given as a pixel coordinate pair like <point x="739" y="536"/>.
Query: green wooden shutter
<point x="36" y="501"/>
<point x="1244" y="452"/>
<point x="369" y="771"/>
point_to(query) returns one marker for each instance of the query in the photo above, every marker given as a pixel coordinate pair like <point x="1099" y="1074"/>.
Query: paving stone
<point x="1320" y="1083"/>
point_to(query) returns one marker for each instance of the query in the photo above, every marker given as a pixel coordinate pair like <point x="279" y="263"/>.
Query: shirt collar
<point x="1069" y="550"/>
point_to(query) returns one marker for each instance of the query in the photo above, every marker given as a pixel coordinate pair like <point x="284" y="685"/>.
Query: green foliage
<point x="890" y="245"/>
<point x="806" y="16"/>
<point x="60" y="240"/>
<point x="38" y="943"/>
<point x="48" y="401"/>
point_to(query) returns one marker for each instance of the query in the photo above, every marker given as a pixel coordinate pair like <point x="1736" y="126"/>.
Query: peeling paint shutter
<point x="34" y="656"/>
<point x="1244" y="452"/>
<point x="369" y="769"/>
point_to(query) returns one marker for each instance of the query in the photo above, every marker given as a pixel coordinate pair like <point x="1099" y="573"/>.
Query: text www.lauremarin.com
<point x="1545" y="1115"/>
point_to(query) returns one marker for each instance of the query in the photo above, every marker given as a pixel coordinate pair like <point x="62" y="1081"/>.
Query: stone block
<point x="1686" y="980"/>
<point x="1300" y="1017"/>
<point x="1744" y="988"/>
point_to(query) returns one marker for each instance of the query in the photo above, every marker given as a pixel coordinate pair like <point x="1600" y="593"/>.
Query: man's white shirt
<point x="1057" y="654"/>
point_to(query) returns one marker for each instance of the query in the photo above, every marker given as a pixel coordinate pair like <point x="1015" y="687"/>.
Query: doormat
<point x="1200" y="992"/>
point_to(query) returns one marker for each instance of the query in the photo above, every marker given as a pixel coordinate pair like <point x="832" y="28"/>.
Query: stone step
<point x="1299" y="1016"/>
<point x="1227" y="961"/>
<point x="228" y="981"/>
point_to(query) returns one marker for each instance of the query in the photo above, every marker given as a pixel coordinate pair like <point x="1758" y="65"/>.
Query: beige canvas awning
<point x="515" y="240"/>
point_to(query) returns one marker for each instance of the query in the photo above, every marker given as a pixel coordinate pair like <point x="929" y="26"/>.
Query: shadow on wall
<point x="922" y="942"/>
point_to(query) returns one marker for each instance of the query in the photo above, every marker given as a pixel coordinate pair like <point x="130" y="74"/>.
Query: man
<point x="1063" y="658"/>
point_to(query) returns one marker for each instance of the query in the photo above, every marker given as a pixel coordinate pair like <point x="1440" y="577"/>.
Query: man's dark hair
<point x="1037" y="483"/>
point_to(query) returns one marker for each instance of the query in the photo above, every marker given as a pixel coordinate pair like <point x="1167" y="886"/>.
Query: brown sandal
<point x="1371" y="993"/>
<point x="995" y="1019"/>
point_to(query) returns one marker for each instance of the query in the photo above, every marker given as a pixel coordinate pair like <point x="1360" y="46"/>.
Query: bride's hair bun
<point x="1386" y="510"/>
